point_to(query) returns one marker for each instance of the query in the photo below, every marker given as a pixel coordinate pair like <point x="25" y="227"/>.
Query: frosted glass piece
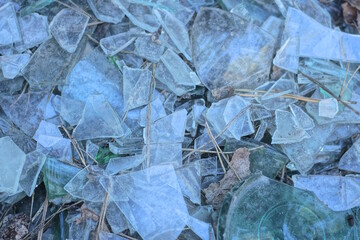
<point x="350" y="161"/>
<point x="9" y="25"/>
<point x="48" y="129"/>
<point x="106" y="11"/>
<point x="302" y="118"/>
<point x="328" y="107"/>
<point x="12" y="64"/>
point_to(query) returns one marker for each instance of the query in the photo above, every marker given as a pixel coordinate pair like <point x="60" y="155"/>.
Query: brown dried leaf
<point x="239" y="166"/>
<point x="354" y="3"/>
<point x="349" y="13"/>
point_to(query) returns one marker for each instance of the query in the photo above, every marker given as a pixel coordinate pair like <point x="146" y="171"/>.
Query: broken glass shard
<point x="31" y="170"/>
<point x="337" y="192"/>
<point x="24" y="111"/>
<point x="264" y="208"/>
<point x="237" y="54"/>
<point x="157" y="112"/>
<point x="130" y="191"/>
<point x="254" y="11"/>
<point x="350" y="161"/>
<point x="136" y="87"/>
<point x="140" y="15"/>
<point x="99" y="120"/>
<point x="85" y="185"/>
<point x="169" y="129"/>
<point x="287" y="57"/>
<point x="116" y="43"/>
<point x="95" y="75"/>
<point x="56" y="175"/>
<point x="68" y="27"/>
<point x="176" y="30"/>
<point x="12" y="64"/>
<point x="149" y="47"/>
<point x="71" y="110"/>
<point x="168" y="153"/>
<point x="56" y="147"/>
<point x="109" y="236"/>
<point x="261" y="131"/>
<point x="9" y="25"/>
<point x="35" y="6"/>
<point x="106" y="11"/>
<point x="48" y="129"/>
<point x="12" y="160"/>
<point x="91" y="151"/>
<point x="287" y="129"/>
<point x="189" y="179"/>
<point x="301" y="117"/>
<point x="176" y="74"/>
<point x="34" y="31"/>
<point x="328" y="107"/>
<point x="116" y="218"/>
<point x="204" y="230"/>
<point x="119" y="164"/>
<point x="204" y="142"/>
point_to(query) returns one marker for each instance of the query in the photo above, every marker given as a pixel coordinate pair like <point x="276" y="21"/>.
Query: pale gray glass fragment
<point x="56" y="147"/>
<point x="119" y="164"/>
<point x="209" y="166"/>
<point x="157" y="112"/>
<point x="223" y="112"/>
<point x="202" y="229"/>
<point x="167" y="153"/>
<point x="302" y="118"/>
<point x="85" y="185"/>
<point x="109" y="236"/>
<point x="287" y="129"/>
<point x="114" y="44"/>
<point x="261" y="131"/>
<point x="48" y="129"/>
<point x="273" y="25"/>
<point x="169" y="103"/>
<point x="259" y="112"/>
<point x="237" y="54"/>
<point x="204" y="142"/>
<point x="176" y="74"/>
<point x="176" y="30"/>
<point x="91" y="151"/>
<point x="106" y="11"/>
<point x="24" y="111"/>
<point x="80" y="230"/>
<point x="12" y="160"/>
<point x="129" y="146"/>
<point x="140" y="15"/>
<point x="95" y="75"/>
<point x="136" y="87"/>
<point x="12" y="64"/>
<point x="149" y="48"/>
<point x="344" y="131"/>
<point x="31" y="170"/>
<point x="71" y="110"/>
<point x="287" y="57"/>
<point x="34" y="31"/>
<point x="169" y="129"/>
<point x="189" y="179"/>
<point x="99" y="120"/>
<point x="303" y="153"/>
<point x="350" y="161"/>
<point x="337" y="192"/>
<point x="328" y="107"/>
<point x="116" y="218"/>
<point x="156" y="219"/>
<point x="48" y="65"/>
<point x="9" y="25"/>
<point x="252" y="11"/>
<point x="68" y="27"/>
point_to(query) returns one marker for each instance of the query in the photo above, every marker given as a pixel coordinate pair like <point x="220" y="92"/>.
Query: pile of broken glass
<point x="133" y="107"/>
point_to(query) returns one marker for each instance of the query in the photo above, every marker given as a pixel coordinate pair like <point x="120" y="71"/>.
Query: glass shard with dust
<point x="350" y="161"/>
<point x="9" y="25"/>
<point x="112" y="45"/>
<point x="11" y="65"/>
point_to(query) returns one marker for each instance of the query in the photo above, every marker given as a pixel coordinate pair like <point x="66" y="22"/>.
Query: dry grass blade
<point x="126" y="236"/>
<point x="92" y="39"/>
<point x="343" y="83"/>
<point x="77" y="8"/>
<point x="203" y="151"/>
<point x="94" y="23"/>
<point x="330" y="92"/>
<point x="42" y="224"/>
<point x="76" y="146"/>
<point x="21" y="94"/>
<point x="215" y="145"/>
<point x="148" y="117"/>
<point x="102" y="216"/>
<point x="347" y="84"/>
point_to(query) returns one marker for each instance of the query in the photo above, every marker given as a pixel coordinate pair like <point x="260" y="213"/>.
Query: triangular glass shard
<point x="13" y="64"/>
<point x="68" y="27"/>
<point x="140" y="15"/>
<point x="48" y="129"/>
<point x="287" y="129"/>
<point x="176" y="30"/>
<point x="119" y="164"/>
<point x="56" y="147"/>
<point x="12" y="160"/>
<point x="34" y="31"/>
<point x="136" y="87"/>
<point x="169" y="129"/>
<point x="95" y="75"/>
<point x="176" y="74"/>
<point x="337" y="192"/>
<point x="10" y="30"/>
<point x="31" y="170"/>
<point x="106" y="11"/>
<point x="350" y="161"/>
<point x="99" y="120"/>
<point x="71" y="110"/>
<point x="25" y="112"/>
<point x="147" y="47"/>
<point x="91" y="151"/>
<point x="302" y="118"/>
<point x="114" y="44"/>
<point x="86" y="185"/>
<point x="287" y="57"/>
<point x="162" y="220"/>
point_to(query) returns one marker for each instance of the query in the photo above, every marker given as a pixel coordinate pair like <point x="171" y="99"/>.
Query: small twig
<point x="32" y="204"/>
<point x="330" y="92"/>
<point x="102" y="216"/>
<point x="93" y="39"/>
<point x="76" y="146"/>
<point x="126" y="236"/>
<point x="21" y="94"/>
<point x="343" y="83"/>
<point x="148" y="117"/>
<point x="74" y="8"/>
<point x="42" y="224"/>
<point x="94" y="23"/>
<point x="347" y="84"/>
<point x="215" y="145"/>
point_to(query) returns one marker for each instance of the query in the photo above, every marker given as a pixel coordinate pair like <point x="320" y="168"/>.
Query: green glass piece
<point x="262" y="208"/>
